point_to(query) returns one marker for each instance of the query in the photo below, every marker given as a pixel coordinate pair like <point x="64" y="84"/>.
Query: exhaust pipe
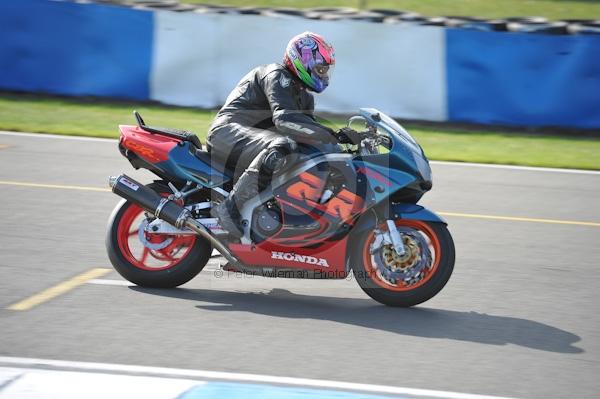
<point x="165" y="209"/>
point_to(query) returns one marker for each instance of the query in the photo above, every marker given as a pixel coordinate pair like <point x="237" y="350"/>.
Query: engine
<point x="266" y="221"/>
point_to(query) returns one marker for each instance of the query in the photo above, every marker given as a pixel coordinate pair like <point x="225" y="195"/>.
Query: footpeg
<point x="228" y="267"/>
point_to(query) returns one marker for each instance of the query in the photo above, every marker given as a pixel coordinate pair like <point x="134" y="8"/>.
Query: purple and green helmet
<point x="311" y="59"/>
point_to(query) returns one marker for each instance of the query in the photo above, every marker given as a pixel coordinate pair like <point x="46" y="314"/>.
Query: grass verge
<point x="100" y="119"/>
<point x="552" y="9"/>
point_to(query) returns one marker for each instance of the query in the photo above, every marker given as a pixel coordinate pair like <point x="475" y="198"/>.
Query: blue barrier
<point x="523" y="79"/>
<point x="491" y="77"/>
<point x="75" y="49"/>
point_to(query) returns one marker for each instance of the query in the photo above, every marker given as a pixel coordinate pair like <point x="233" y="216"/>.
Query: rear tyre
<point x="408" y="280"/>
<point x="152" y="260"/>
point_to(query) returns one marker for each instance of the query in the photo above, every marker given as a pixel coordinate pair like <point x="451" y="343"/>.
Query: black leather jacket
<point x="270" y="97"/>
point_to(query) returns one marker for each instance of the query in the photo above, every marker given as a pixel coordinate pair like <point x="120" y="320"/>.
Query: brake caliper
<point x="156" y="246"/>
<point x="407" y="267"/>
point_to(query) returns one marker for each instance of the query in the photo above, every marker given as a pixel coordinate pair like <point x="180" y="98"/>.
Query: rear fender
<point x="168" y="157"/>
<point x="151" y="148"/>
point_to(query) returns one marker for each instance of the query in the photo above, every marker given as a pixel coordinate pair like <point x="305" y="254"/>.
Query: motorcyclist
<point x="266" y="115"/>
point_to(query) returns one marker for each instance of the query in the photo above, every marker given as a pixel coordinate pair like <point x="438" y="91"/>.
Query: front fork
<point x="395" y="237"/>
<point x="391" y="237"/>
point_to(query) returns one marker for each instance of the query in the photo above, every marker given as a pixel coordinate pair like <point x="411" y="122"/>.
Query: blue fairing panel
<point x="398" y="211"/>
<point x="183" y="165"/>
<point x="388" y="180"/>
<point x="415" y="212"/>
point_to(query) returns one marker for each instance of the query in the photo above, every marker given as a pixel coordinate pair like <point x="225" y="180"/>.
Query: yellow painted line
<point x="58" y="289"/>
<point x="452" y="214"/>
<point x="59" y="186"/>
<point x="520" y="219"/>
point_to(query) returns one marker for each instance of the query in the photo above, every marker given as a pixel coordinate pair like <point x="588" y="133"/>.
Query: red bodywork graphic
<point x="305" y="239"/>
<point x="153" y="148"/>
<point x="374" y="175"/>
<point x="310" y="188"/>
<point x="329" y="259"/>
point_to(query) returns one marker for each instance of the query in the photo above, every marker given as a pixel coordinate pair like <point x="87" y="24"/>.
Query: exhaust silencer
<point x="165" y="209"/>
<point x="161" y="207"/>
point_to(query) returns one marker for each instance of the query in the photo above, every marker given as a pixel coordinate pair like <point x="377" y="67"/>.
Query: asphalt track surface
<point x="518" y="318"/>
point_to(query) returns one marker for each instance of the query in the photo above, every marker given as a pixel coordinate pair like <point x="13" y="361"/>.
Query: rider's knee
<point x="277" y="154"/>
<point x="273" y="162"/>
<point x="284" y="145"/>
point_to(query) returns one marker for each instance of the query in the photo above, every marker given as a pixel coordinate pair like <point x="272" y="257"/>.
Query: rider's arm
<point x="287" y="117"/>
<point x="310" y="106"/>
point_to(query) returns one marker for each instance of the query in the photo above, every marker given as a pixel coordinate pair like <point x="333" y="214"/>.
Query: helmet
<point x="311" y="59"/>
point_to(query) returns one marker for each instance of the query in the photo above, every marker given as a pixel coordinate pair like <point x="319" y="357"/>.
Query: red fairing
<point x="153" y="148"/>
<point x="328" y="258"/>
<point x="305" y="239"/>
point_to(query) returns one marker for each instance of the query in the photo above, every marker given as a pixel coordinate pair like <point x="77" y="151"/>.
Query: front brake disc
<point x="408" y="267"/>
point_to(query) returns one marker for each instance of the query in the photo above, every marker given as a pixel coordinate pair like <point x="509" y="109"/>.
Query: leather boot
<point x="228" y="211"/>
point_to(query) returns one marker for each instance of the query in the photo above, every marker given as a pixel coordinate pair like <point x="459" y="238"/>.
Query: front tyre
<point x="152" y="260"/>
<point x="412" y="278"/>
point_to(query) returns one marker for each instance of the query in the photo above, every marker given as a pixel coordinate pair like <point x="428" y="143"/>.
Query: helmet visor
<point x="323" y="71"/>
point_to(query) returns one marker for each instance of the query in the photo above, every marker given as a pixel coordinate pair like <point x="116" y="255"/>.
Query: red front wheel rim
<point x="142" y="257"/>
<point x="433" y="244"/>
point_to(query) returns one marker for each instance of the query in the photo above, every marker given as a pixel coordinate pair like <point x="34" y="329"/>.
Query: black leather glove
<point x="347" y="135"/>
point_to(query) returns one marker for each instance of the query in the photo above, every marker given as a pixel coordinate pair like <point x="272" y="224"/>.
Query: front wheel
<point x="152" y="260"/>
<point x="408" y="279"/>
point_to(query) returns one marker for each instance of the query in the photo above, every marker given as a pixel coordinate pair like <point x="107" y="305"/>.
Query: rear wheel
<point x="408" y="279"/>
<point x="152" y="260"/>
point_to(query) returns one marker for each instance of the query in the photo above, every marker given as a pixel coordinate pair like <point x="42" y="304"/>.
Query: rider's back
<point x="258" y="94"/>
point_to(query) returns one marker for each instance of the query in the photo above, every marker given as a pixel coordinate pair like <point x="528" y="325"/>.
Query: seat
<point x="182" y="135"/>
<point x="205" y="157"/>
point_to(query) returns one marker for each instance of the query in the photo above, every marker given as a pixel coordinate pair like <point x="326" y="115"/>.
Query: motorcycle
<point x="352" y="212"/>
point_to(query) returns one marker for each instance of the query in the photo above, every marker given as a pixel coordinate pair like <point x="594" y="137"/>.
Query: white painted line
<point x="98" y="281"/>
<point x="57" y="136"/>
<point x="515" y="167"/>
<point x="124" y="283"/>
<point x="237" y="377"/>
<point x="468" y="164"/>
<point x="8" y="376"/>
<point x="36" y="383"/>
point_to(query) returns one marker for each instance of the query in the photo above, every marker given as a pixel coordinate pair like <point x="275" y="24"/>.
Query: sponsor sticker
<point x="129" y="184"/>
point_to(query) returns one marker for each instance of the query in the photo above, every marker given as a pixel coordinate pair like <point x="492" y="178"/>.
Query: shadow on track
<point x="418" y="321"/>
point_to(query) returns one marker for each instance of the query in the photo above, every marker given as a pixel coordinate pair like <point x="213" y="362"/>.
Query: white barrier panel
<point x="198" y="59"/>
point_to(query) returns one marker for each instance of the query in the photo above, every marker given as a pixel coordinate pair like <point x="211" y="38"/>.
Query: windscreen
<point x="393" y="125"/>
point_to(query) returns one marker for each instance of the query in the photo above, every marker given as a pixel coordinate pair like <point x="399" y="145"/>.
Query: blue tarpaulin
<point x="519" y="79"/>
<point x="75" y="49"/>
<point x="523" y="79"/>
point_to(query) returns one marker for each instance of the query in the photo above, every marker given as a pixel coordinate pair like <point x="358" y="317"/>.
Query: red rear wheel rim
<point x="143" y="257"/>
<point x="434" y="246"/>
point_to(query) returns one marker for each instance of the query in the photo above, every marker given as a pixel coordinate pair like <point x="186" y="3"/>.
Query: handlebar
<point x="371" y="139"/>
<point x="371" y="129"/>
